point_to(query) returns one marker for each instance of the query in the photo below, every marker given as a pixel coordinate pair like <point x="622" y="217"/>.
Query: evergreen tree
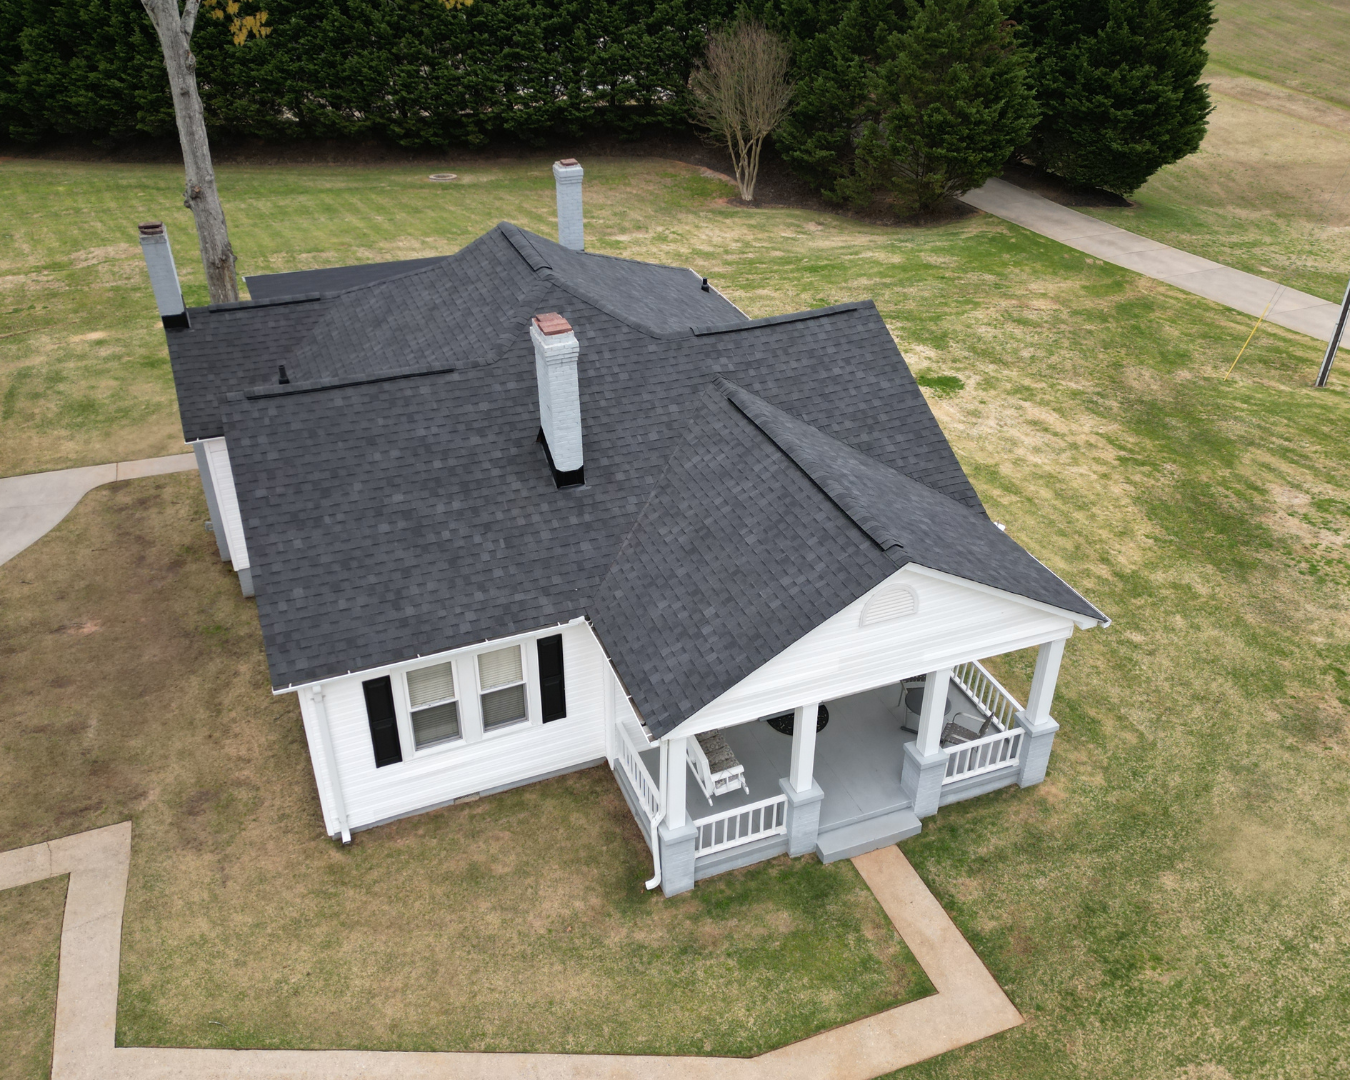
<point x="834" y="49"/>
<point x="952" y="102"/>
<point x="918" y="98"/>
<point x="1118" y="84"/>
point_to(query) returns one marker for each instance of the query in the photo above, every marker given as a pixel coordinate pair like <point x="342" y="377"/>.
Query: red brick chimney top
<point x="551" y="324"/>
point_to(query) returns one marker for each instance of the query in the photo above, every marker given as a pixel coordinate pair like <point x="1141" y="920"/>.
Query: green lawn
<point x="1170" y="903"/>
<point x="1301" y="44"/>
<point x="1269" y="190"/>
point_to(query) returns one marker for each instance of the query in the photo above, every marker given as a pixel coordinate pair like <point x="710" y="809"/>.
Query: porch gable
<point x="882" y="638"/>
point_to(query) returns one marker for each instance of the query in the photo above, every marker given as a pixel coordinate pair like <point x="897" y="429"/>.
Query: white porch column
<point x="609" y="709"/>
<point x="935" y="690"/>
<point x="800" y="773"/>
<point x="804" y="795"/>
<point x="1036" y="723"/>
<point x="925" y="762"/>
<point x="675" y="834"/>
<point x="1043" y="681"/>
<point x="675" y="782"/>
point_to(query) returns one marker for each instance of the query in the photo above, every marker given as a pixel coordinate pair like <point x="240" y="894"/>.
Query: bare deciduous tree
<point x="174" y="29"/>
<point x="741" y="93"/>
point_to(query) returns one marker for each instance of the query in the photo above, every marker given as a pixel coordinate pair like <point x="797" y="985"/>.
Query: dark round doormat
<point x="784" y="723"/>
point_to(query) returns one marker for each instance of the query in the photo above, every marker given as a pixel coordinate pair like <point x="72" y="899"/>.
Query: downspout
<point x="656" y="822"/>
<point x="330" y="759"/>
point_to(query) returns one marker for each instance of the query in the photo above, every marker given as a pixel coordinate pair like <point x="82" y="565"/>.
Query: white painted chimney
<point x="555" y="366"/>
<point x="567" y="176"/>
<point x="163" y="274"/>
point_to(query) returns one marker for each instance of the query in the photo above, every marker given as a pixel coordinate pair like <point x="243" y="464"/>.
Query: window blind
<point x="431" y="684"/>
<point x="500" y="668"/>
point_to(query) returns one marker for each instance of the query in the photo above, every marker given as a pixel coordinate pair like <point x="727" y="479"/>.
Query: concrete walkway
<point x="1247" y="293"/>
<point x="33" y="504"/>
<point x="968" y="1005"/>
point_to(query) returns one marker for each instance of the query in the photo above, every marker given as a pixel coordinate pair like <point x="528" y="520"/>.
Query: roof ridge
<point x="273" y="301"/>
<point x="519" y="239"/>
<point x="778" y="320"/>
<point x="775" y="424"/>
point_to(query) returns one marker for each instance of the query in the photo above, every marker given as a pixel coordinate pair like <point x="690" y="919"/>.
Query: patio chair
<point x="964" y="727"/>
<point x="715" y="766"/>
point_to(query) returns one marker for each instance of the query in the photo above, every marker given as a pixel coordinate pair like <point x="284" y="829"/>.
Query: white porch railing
<point x="648" y="790"/>
<point x="989" y="695"/>
<point x="731" y="828"/>
<point x="994" y="751"/>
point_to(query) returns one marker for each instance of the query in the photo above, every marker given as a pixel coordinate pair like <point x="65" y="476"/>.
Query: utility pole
<point x="1325" y="372"/>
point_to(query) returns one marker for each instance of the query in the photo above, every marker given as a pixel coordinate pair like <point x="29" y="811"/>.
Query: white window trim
<point x="465" y="661"/>
<point x="529" y="663"/>
<point x="403" y="705"/>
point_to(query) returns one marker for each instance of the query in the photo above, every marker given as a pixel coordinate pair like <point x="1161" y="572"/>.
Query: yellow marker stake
<point x="1251" y="335"/>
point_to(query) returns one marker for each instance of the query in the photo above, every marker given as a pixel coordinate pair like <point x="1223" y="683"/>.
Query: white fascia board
<point x="424" y="658"/>
<point x="1083" y="622"/>
<point x="222" y="479"/>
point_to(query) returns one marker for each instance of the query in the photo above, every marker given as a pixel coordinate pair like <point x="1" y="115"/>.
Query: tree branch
<point x="189" y="20"/>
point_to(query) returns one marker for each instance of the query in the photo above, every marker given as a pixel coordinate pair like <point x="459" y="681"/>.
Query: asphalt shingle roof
<point x="744" y="479"/>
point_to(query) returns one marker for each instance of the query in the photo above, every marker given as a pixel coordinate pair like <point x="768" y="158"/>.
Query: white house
<point x="525" y="509"/>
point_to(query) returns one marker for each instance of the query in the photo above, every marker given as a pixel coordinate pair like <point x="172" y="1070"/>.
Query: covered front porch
<point x="886" y="758"/>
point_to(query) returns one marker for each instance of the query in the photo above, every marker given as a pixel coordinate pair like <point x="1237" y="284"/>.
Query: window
<point x="383" y="723"/>
<point x="552" y="693"/>
<point x="501" y="682"/>
<point x="431" y="698"/>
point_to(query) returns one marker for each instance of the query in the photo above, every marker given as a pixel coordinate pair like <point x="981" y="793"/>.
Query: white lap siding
<point x="430" y="778"/>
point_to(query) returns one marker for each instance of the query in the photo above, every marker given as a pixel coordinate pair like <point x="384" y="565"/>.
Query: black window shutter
<point x="383" y="723"/>
<point x="552" y="695"/>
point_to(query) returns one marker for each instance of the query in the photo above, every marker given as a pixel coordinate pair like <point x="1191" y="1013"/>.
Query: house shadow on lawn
<point x="138" y="689"/>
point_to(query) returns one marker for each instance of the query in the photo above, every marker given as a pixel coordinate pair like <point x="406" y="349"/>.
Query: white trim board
<point x="222" y="479"/>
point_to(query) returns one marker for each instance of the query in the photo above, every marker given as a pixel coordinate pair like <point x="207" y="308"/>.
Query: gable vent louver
<point x="895" y="602"/>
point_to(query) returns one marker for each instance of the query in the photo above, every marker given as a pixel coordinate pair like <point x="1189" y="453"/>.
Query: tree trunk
<point x="199" y="193"/>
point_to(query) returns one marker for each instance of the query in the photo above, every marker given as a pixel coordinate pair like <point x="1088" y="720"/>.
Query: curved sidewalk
<point x="33" y="504"/>
<point x="1248" y="293"/>
<point x="968" y="1005"/>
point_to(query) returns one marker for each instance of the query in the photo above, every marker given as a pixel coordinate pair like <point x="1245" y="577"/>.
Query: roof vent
<point x="892" y="602"/>
<point x="567" y="176"/>
<point x="555" y="367"/>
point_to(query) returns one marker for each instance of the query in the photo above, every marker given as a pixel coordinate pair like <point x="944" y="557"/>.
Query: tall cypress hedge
<point x="410" y="71"/>
<point x="919" y="98"/>
<point x="1118" y="83"/>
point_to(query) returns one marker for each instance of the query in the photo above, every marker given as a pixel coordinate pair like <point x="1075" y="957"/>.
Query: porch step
<point x="864" y="836"/>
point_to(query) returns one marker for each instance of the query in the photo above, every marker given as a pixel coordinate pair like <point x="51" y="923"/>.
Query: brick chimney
<point x="163" y="275"/>
<point x="567" y="176"/>
<point x="555" y="366"/>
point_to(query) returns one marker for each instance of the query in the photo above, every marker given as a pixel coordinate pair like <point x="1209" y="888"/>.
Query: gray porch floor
<point x="858" y="760"/>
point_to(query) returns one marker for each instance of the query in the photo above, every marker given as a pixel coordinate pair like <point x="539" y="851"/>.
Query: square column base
<point x="803" y="816"/>
<point x="677" y="858"/>
<point x="1036" y="744"/>
<point x="921" y="779"/>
